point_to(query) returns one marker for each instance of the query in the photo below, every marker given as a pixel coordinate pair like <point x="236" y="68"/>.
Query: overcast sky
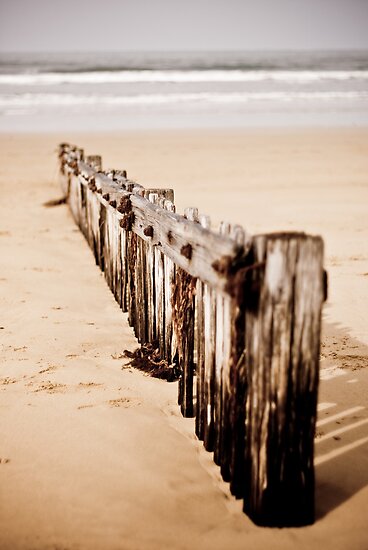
<point x="84" y="25"/>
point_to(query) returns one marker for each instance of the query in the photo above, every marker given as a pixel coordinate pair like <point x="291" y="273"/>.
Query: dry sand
<point x="94" y="455"/>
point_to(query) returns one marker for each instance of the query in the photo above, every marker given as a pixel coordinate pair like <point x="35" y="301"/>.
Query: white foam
<point x="135" y="76"/>
<point x="60" y="99"/>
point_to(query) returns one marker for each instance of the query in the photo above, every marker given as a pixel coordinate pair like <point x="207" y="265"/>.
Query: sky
<point x="175" y="25"/>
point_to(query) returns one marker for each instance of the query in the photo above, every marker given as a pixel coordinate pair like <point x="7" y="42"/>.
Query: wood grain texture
<point x="221" y="358"/>
<point x="238" y="315"/>
<point x="169" y="279"/>
<point x="282" y="362"/>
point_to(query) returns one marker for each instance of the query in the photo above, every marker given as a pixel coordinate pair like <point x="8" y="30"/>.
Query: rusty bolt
<point x="148" y="231"/>
<point x="222" y="265"/>
<point x="187" y="251"/>
<point x="125" y="205"/>
<point x="127" y="221"/>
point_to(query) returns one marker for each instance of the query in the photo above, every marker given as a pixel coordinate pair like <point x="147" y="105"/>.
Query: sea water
<point x="119" y="91"/>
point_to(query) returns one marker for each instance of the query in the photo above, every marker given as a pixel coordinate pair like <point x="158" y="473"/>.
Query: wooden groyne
<point x="237" y="316"/>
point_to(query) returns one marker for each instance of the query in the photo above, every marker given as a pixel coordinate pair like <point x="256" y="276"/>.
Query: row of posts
<point x="248" y="357"/>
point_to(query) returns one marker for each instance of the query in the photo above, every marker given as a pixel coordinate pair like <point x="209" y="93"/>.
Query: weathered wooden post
<point x="169" y="278"/>
<point x="209" y="310"/>
<point x="232" y="333"/>
<point x="186" y="301"/>
<point x="201" y="393"/>
<point x="283" y="320"/>
<point x="95" y="161"/>
<point x="222" y="351"/>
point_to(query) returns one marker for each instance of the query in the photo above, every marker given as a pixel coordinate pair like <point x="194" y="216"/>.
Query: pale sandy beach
<point x="95" y="455"/>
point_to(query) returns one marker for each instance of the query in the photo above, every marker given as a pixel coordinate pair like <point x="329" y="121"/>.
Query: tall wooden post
<point x="283" y="319"/>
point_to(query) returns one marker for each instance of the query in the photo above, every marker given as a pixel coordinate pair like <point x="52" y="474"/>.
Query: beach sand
<point x="95" y="455"/>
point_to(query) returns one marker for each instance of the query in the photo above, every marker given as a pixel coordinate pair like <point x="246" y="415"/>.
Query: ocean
<point x="124" y="91"/>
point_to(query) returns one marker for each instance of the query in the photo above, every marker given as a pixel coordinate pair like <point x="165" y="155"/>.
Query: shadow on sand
<point x="341" y="450"/>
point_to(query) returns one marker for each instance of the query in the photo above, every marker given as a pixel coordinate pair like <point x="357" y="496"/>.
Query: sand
<point x="95" y="455"/>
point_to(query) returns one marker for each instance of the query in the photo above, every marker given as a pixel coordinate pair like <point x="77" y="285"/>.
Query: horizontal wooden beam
<point x="195" y="249"/>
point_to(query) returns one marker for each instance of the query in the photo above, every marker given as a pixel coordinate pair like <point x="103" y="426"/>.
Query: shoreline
<point x="184" y="118"/>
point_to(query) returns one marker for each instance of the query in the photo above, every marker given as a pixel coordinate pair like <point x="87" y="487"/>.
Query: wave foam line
<point x="109" y="77"/>
<point x="49" y="100"/>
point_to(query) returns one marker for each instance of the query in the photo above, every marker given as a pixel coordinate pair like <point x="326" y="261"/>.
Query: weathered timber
<point x="150" y="288"/>
<point x="93" y="222"/>
<point x="201" y="403"/>
<point x="111" y="234"/>
<point x="201" y="378"/>
<point x="140" y="292"/>
<point x="282" y="362"/>
<point x="210" y="354"/>
<point x="95" y="161"/>
<point x="74" y="198"/>
<point x="161" y="197"/>
<point x="199" y="360"/>
<point x="183" y="323"/>
<point x="172" y="232"/>
<point x="187" y="336"/>
<point x="69" y="156"/>
<point x="233" y="379"/>
<point x="131" y="239"/>
<point x="183" y="312"/>
<point x="241" y="313"/>
<point x="208" y="388"/>
<point x="169" y="279"/>
<point x="166" y="193"/>
<point x="222" y="345"/>
<point x="124" y="269"/>
<point x="158" y="286"/>
<point x="86" y="170"/>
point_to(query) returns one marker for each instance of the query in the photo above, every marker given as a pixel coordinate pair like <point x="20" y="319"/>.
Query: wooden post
<point x="283" y="316"/>
<point x="124" y="270"/>
<point x="95" y="161"/>
<point x="169" y="280"/>
<point x="131" y="243"/>
<point x="93" y="217"/>
<point x="199" y="415"/>
<point x="234" y="440"/>
<point x="159" y="292"/>
<point x="221" y="359"/>
<point x="141" y="284"/>
<point x="201" y="402"/>
<point x="155" y="289"/>
<point x="151" y="274"/>
<point x="186" y="357"/>
<point x="209" y="322"/>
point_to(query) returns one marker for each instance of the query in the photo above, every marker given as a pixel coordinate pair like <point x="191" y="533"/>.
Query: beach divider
<point x="235" y="317"/>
